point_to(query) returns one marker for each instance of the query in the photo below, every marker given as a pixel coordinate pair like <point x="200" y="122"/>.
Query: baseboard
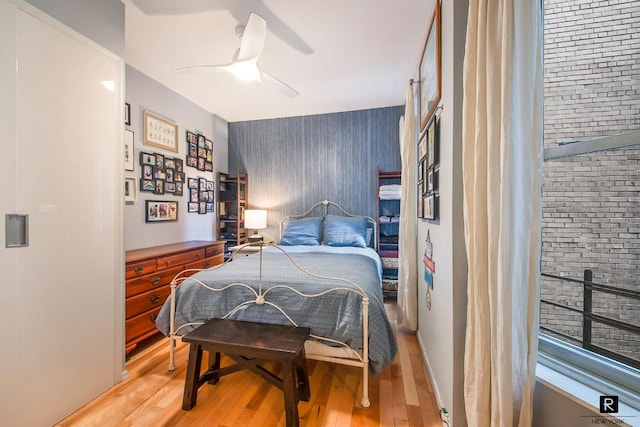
<point x="429" y="373"/>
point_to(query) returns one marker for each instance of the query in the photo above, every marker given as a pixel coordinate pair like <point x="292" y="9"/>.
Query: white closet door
<point x="67" y="168"/>
<point x="8" y="200"/>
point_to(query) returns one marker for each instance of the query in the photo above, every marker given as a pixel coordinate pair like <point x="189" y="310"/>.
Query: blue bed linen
<point x="336" y="315"/>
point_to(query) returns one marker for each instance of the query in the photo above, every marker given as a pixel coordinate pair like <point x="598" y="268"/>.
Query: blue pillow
<point x="345" y="231"/>
<point x="305" y="231"/>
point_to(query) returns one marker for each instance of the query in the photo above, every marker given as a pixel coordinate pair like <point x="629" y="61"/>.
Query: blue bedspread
<point x="335" y="315"/>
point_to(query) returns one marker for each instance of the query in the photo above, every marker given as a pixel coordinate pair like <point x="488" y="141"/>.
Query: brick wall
<point x="591" y="214"/>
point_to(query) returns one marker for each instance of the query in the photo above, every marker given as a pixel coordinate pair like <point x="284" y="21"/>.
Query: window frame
<point x="591" y="369"/>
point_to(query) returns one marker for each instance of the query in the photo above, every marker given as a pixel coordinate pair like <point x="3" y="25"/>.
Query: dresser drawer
<point x="146" y="301"/>
<point x="180" y="259"/>
<point x="214" y="250"/>
<point x="142" y="324"/>
<point x="206" y="263"/>
<point x="137" y="269"/>
<point x="150" y="281"/>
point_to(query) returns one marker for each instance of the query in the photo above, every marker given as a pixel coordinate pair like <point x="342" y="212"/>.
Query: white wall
<point x="146" y="94"/>
<point x="441" y="330"/>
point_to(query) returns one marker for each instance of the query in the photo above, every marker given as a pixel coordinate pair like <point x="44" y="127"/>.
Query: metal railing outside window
<point x="591" y="319"/>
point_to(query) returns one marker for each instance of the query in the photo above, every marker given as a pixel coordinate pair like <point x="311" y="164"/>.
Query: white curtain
<point x="407" y="266"/>
<point x="502" y="173"/>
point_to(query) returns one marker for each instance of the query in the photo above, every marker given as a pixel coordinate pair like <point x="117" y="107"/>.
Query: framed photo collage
<point x="428" y="169"/>
<point x="163" y="174"/>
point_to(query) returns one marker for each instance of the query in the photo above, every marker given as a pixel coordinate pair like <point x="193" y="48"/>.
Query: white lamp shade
<point x="255" y="219"/>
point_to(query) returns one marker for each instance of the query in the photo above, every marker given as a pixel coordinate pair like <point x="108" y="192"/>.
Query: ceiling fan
<point x="244" y="65"/>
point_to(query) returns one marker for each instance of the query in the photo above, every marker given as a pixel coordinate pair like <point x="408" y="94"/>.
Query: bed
<point x="324" y="275"/>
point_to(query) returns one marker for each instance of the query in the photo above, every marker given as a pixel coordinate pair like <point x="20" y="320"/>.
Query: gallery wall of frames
<point x="428" y="170"/>
<point x="162" y="172"/>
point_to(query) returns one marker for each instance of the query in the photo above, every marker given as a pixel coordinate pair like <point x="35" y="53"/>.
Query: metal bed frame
<point x="338" y="352"/>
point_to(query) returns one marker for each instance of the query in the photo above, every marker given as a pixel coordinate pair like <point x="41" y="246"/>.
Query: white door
<point x="67" y="282"/>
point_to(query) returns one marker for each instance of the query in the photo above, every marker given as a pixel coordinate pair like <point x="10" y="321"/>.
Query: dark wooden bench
<point x="249" y="344"/>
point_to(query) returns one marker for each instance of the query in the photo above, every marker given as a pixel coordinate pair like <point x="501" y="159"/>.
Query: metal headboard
<point x="326" y="204"/>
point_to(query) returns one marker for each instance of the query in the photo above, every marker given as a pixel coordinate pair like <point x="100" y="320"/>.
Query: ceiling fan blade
<point x="253" y="38"/>
<point x="203" y="69"/>
<point x="278" y="84"/>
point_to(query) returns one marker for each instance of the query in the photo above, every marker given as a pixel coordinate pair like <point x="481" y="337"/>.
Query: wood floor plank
<point x="152" y="396"/>
<point x="407" y="371"/>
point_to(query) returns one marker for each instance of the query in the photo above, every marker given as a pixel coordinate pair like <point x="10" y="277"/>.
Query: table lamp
<point x="255" y="219"/>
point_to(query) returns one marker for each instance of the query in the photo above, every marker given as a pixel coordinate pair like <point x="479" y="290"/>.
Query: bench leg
<point x="290" y="389"/>
<point x="214" y="365"/>
<point x="302" y="377"/>
<point x="192" y="381"/>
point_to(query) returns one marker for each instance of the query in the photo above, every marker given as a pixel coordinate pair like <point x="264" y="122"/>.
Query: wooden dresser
<point x="148" y="274"/>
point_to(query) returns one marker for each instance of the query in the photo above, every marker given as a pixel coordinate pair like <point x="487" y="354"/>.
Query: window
<point x="591" y="191"/>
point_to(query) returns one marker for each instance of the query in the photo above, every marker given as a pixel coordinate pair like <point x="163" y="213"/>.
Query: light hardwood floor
<point x="152" y="396"/>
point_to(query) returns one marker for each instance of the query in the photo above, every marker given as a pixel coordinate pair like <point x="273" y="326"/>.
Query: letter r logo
<point x="608" y="404"/>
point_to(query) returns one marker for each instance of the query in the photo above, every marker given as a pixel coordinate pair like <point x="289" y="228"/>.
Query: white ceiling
<point x="340" y="55"/>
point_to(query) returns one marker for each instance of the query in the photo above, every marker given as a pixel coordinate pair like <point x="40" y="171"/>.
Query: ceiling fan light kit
<point x="245" y="70"/>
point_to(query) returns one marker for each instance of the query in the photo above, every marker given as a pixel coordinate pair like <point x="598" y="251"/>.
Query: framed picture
<point x="432" y="181"/>
<point x="422" y="146"/>
<point x="160" y="211"/>
<point x="130" y="189"/>
<point x="425" y="175"/>
<point x="147" y="185"/>
<point x="147" y="159"/>
<point x="128" y="150"/>
<point x="429" y="70"/>
<point x="420" y="191"/>
<point x="159" y="174"/>
<point x="432" y="142"/>
<point x="127" y="114"/>
<point x="430" y="205"/>
<point x="192" y="138"/>
<point x="160" y="132"/>
<point x="192" y="207"/>
<point x="159" y="188"/>
<point x="159" y="161"/>
<point x="147" y="172"/>
<point x="192" y="161"/>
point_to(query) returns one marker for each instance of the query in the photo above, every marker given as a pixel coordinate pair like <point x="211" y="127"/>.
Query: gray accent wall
<point x="295" y="162"/>
<point x="146" y="94"/>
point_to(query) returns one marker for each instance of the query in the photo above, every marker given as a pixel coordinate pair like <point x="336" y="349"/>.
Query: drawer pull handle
<point x="153" y="317"/>
<point x="138" y="270"/>
<point x="155" y="298"/>
<point x="155" y="280"/>
<point x="206" y="264"/>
